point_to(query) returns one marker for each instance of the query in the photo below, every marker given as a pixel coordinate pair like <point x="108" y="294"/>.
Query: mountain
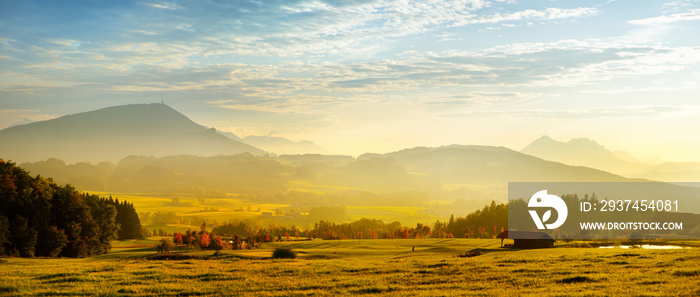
<point x="672" y="172"/>
<point x="230" y="135"/>
<point x="583" y="152"/>
<point x="113" y="133"/>
<point x="24" y="121"/>
<point x="455" y="164"/>
<point x="284" y="146"/>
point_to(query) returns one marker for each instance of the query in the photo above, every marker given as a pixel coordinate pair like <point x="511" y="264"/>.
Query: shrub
<point x="576" y="279"/>
<point x="284" y="253"/>
<point x="472" y="253"/>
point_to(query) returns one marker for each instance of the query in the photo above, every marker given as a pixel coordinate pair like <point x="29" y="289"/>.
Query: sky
<point x="362" y="76"/>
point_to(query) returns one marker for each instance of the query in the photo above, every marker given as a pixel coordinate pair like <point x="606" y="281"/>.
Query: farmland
<point x="387" y="267"/>
<point x="225" y="209"/>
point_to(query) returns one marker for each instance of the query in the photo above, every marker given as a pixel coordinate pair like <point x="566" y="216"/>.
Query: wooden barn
<point x="527" y="240"/>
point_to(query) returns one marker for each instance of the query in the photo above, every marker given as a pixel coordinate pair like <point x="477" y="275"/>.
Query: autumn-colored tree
<point x="425" y="230"/>
<point x="189" y="238"/>
<point x="203" y="240"/>
<point x="286" y="235"/>
<point x="359" y="235"/>
<point x="217" y="243"/>
<point x="177" y="238"/>
<point x="374" y="234"/>
<point x="468" y="232"/>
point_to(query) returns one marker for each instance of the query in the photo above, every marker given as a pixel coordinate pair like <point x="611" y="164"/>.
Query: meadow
<point x="367" y="267"/>
<point x="226" y="209"/>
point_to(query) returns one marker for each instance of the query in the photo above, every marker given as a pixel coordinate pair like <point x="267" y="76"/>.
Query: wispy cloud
<point x="586" y="113"/>
<point x="691" y="15"/>
<point x="164" y="5"/>
<point x="530" y="14"/>
<point x="333" y="62"/>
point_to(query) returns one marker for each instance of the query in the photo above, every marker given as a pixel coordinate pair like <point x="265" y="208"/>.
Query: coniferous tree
<point x="40" y="218"/>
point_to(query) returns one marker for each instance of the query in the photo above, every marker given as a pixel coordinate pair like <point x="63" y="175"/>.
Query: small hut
<point x="527" y="240"/>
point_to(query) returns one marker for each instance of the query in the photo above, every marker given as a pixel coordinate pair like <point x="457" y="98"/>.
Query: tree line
<point x="484" y="223"/>
<point x="40" y="218"/>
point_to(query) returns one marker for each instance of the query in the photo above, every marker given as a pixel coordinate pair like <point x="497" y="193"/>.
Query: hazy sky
<point x="364" y="75"/>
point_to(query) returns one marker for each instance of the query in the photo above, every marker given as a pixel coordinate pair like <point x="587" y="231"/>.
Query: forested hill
<point x="40" y="218"/>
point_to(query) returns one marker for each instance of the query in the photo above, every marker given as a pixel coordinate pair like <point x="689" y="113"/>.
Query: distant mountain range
<point x="474" y="163"/>
<point x="279" y="145"/>
<point x="582" y="152"/>
<point x="588" y="153"/>
<point x="113" y="133"/>
<point x="284" y="146"/>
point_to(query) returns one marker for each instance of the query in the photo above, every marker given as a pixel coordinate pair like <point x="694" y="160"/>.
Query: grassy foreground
<point x="386" y="267"/>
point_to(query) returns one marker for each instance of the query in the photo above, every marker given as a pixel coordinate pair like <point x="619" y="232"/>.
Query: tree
<point x="55" y="241"/>
<point x="128" y="220"/>
<point x="217" y="243"/>
<point x="203" y="240"/>
<point x="23" y="237"/>
<point x="38" y="217"/>
<point x="177" y="238"/>
<point x="189" y="239"/>
<point x="104" y="216"/>
<point x="4" y="234"/>
<point x="164" y="247"/>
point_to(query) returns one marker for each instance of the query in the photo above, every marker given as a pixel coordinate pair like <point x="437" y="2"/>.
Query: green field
<point x="190" y="206"/>
<point x="371" y="267"/>
<point x="227" y="209"/>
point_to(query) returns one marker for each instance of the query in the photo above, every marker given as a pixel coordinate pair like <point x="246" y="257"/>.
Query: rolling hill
<point x="113" y="133"/>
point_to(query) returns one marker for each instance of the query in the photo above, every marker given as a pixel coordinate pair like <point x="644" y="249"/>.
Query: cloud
<point x="164" y="5"/>
<point x="294" y="56"/>
<point x="529" y="14"/>
<point x="685" y="85"/>
<point x="587" y="113"/>
<point x="691" y="15"/>
<point x="474" y="98"/>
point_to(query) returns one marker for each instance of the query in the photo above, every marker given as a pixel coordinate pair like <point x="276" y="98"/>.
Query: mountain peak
<point x="579" y="151"/>
<point x="112" y="133"/>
